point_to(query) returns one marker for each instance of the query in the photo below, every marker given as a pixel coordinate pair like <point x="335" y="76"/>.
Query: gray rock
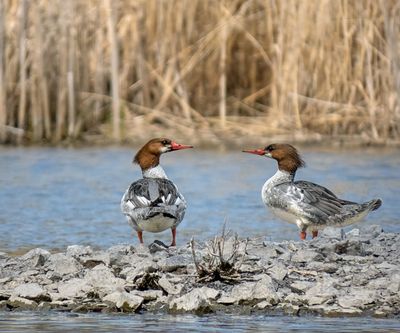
<point x="263" y="305"/>
<point x="125" y="301"/>
<point x="141" y="267"/>
<point x="322" y="267"/>
<point x="173" y="263"/>
<point x="37" y="257"/>
<point x="306" y="256"/>
<point x="168" y="287"/>
<point x="95" y="259"/>
<point x="74" y="288"/>
<point x="31" y="291"/>
<point x="333" y="233"/>
<point x="301" y="286"/>
<point x="197" y="300"/>
<point x="103" y="281"/>
<point x="249" y="292"/>
<point x="278" y="271"/>
<point x="158" y="246"/>
<point x="77" y="251"/>
<point x="5" y="294"/>
<point x="148" y="295"/>
<point x="62" y="265"/>
<point x="23" y="303"/>
<point x="322" y="292"/>
<point x="353" y="233"/>
<point x="357" y="300"/>
<point x="371" y="231"/>
<point x="337" y="311"/>
<point x="120" y="254"/>
<point x="296" y="300"/>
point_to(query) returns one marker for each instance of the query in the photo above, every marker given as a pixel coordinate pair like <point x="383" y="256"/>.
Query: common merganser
<point x="310" y="206"/>
<point x="154" y="203"/>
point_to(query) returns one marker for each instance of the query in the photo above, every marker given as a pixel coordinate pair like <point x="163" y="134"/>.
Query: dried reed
<point x="237" y="68"/>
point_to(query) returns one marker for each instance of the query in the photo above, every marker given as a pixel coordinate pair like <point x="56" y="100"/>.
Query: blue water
<point x="54" y="197"/>
<point x="67" y="322"/>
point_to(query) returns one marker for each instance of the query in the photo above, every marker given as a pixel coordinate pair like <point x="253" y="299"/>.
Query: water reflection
<point x="67" y="322"/>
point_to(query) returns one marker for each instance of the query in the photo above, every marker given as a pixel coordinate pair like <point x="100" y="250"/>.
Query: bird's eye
<point x="270" y="148"/>
<point x="164" y="142"/>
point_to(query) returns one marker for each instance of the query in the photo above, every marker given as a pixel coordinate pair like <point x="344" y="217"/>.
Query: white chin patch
<point x="164" y="149"/>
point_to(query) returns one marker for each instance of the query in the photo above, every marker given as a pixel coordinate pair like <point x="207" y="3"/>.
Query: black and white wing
<point x="311" y="201"/>
<point x="148" y="197"/>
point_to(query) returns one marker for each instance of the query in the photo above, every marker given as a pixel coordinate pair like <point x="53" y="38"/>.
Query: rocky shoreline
<point x="337" y="274"/>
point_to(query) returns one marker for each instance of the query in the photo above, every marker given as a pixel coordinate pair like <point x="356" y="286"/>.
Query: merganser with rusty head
<point x="153" y="203"/>
<point x="310" y="206"/>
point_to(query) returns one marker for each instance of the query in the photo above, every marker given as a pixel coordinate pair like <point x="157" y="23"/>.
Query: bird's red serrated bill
<point x="255" y="151"/>
<point x="178" y="146"/>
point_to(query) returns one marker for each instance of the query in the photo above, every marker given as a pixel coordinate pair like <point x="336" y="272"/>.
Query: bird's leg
<point x="173" y="237"/>
<point x="140" y="236"/>
<point x="314" y="234"/>
<point x="303" y="235"/>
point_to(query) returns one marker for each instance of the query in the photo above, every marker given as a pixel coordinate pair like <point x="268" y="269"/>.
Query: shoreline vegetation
<point x="337" y="274"/>
<point x="212" y="72"/>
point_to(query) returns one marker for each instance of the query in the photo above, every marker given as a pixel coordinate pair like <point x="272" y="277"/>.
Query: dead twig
<point x="216" y="265"/>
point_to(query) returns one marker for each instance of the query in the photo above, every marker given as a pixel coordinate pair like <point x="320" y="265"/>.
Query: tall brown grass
<point x="199" y="68"/>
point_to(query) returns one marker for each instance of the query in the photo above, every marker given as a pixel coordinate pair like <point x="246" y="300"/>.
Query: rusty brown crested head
<point x="286" y="155"/>
<point x="149" y="155"/>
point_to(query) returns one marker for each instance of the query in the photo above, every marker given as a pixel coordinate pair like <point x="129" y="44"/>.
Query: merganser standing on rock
<point x="154" y="203"/>
<point x="310" y="206"/>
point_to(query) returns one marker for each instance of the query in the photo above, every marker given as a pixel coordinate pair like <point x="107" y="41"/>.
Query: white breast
<point x="157" y="223"/>
<point x="284" y="215"/>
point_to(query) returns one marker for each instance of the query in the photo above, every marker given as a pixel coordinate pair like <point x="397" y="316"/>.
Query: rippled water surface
<point x="57" y="322"/>
<point x="53" y="197"/>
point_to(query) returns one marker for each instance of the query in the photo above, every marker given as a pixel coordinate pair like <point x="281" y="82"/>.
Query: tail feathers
<point x="373" y="204"/>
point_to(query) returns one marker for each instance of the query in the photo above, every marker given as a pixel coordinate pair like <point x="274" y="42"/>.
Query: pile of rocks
<point x="357" y="273"/>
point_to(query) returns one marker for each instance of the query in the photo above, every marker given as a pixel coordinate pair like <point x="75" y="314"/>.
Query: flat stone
<point x="141" y="266"/>
<point x="278" y="271"/>
<point x="322" y="292"/>
<point x="338" y="311"/>
<point x="333" y="233"/>
<point x="357" y="299"/>
<point x="95" y="259"/>
<point x="173" y="263"/>
<point x="320" y="299"/>
<point x="296" y="299"/>
<point x="306" y="256"/>
<point x="37" y="257"/>
<point x="168" y="287"/>
<point x="74" y="288"/>
<point x="63" y="265"/>
<point x="249" y="292"/>
<point x="77" y="251"/>
<point x="124" y="301"/>
<point x="301" y="285"/>
<point x="31" y="291"/>
<point x="148" y="295"/>
<point x="322" y="267"/>
<point x="264" y="305"/>
<point x="20" y="302"/>
<point x="103" y="280"/>
<point x="196" y="300"/>
<point x="353" y="233"/>
<point x="158" y="246"/>
<point x="371" y="231"/>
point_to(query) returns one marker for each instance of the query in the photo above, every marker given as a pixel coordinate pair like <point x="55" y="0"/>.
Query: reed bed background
<point x="207" y="70"/>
